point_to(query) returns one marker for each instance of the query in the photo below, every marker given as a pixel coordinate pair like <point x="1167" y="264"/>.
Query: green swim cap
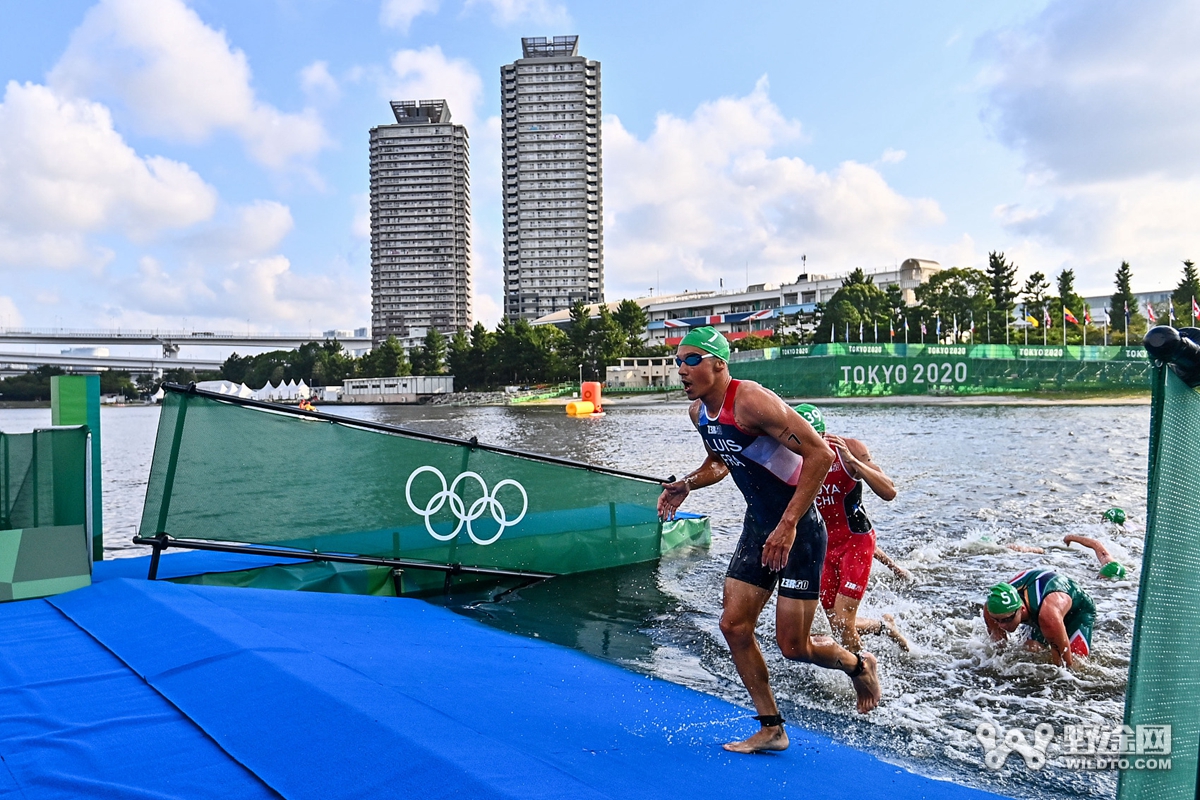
<point x="813" y="415"/>
<point x="1115" y="515"/>
<point x="1003" y="599"/>
<point x="709" y="339"/>
<point x="1113" y="570"/>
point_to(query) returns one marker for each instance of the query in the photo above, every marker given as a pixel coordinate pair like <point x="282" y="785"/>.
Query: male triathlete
<point x="851" y="548"/>
<point x="1059" y="613"/>
<point x="778" y="462"/>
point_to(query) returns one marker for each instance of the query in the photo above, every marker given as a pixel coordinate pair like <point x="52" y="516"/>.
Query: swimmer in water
<point x="778" y="462"/>
<point x="1059" y="613"/>
<point x="1109" y="566"/>
<point x="852" y="548"/>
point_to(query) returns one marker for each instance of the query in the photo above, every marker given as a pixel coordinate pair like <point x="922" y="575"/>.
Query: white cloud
<point x="1097" y="98"/>
<point x="179" y="79"/>
<point x="891" y="156"/>
<point x="250" y="231"/>
<point x="264" y="290"/>
<point x="427" y="74"/>
<point x="65" y="172"/>
<point x="703" y="197"/>
<point x="506" y="12"/>
<point x="317" y="83"/>
<point x="10" y="317"/>
<point x="399" y="14"/>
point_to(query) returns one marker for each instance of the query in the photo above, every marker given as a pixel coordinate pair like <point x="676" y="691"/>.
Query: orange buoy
<point x="590" y="393"/>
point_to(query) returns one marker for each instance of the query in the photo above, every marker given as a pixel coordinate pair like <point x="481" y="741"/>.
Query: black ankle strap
<point x="858" y="668"/>
<point x="770" y="720"/>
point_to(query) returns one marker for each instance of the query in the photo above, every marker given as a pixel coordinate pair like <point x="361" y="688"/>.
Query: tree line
<point x="967" y="304"/>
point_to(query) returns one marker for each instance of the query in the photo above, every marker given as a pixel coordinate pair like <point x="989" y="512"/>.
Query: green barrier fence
<point x="44" y="512"/>
<point x="238" y="471"/>
<point x="840" y="370"/>
<point x="1162" y="701"/>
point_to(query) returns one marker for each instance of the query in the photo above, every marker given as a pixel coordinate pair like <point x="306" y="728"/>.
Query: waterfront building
<point x="552" y="170"/>
<point x="420" y="223"/>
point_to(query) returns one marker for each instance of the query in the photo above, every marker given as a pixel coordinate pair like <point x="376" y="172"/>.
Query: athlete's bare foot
<point x="893" y="630"/>
<point x="766" y="740"/>
<point x="866" y="685"/>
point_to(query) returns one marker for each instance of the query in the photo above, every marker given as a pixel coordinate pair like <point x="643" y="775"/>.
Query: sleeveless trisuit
<point x="766" y="472"/>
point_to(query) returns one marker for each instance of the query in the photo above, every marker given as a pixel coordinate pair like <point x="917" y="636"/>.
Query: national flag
<point x="892" y="327"/>
<point x="1069" y="317"/>
<point x="1046" y="315"/>
<point x="1170" y="312"/>
<point x="1031" y="319"/>
<point x="1150" y="313"/>
<point x="1195" y="308"/>
<point x="906" y="319"/>
<point x="1087" y="315"/>
<point x="922" y="329"/>
<point x="860" y="330"/>
<point x="939" y="327"/>
<point x="1107" y="318"/>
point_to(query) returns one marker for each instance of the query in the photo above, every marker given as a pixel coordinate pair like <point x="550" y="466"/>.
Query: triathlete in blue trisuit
<point x="778" y="462"/>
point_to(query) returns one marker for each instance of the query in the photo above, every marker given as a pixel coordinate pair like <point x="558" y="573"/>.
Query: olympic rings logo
<point x="465" y="515"/>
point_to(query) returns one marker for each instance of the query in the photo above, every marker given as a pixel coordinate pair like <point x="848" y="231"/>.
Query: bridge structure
<point x="15" y="362"/>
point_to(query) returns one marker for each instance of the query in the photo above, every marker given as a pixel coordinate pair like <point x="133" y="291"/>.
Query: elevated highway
<point x="171" y="341"/>
<point x="127" y="363"/>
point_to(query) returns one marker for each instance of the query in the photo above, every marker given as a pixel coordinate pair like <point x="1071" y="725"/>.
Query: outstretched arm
<point x="673" y="494"/>
<point x="887" y="561"/>
<point x="857" y="459"/>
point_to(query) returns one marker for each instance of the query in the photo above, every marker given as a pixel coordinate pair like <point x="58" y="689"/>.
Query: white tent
<point x="265" y="393"/>
<point x="302" y="390"/>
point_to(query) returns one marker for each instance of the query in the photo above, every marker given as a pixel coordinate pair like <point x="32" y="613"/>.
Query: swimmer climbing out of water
<point x="778" y="462"/>
<point x="852" y="545"/>
<point x="1057" y="610"/>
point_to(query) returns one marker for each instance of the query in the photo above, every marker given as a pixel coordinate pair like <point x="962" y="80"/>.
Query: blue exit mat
<point x="131" y="688"/>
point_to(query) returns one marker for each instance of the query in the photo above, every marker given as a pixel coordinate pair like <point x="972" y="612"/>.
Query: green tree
<point x="1122" y="299"/>
<point x="607" y="344"/>
<point x="480" y="369"/>
<point x="858" y="304"/>
<point x="1033" y="297"/>
<point x="116" y="382"/>
<point x="631" y="318"/>
<point x="1187" y="292"/>
<point x="430" y="357"/>
<point x="1067" y="298"/>
<point x="458" y="358"/>
<point x="388" y="360"/>
<point x="32" y="386"/>
<point x="331" y="364"/>
<point x="1002" y="275"/>
<point x="958" y="294"/>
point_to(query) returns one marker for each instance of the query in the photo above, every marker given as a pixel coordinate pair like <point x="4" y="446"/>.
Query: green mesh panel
<point x="1164" y="668"/>
<point x="43" y="478"/>
<point x="223" y="471"/>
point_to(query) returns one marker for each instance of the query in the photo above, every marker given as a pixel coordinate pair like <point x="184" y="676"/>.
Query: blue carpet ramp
<point x="75" y="722"/>
<point x="306" y="725"/>
<point x="325" y="696"/>
<point x="184" y="564"/>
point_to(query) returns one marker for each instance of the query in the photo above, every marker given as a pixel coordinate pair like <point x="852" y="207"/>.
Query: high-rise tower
<point x="420" y="223"/>
<point x="553" y="210"/>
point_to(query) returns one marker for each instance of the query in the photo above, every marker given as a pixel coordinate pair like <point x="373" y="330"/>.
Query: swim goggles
<point x="692" y="359"/>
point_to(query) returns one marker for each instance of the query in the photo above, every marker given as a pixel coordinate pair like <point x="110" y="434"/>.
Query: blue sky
<point x="165" y="163"/>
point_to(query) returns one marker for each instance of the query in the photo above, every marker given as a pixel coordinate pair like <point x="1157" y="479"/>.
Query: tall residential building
<point x="553" y="210"/>
<point x="420" y="223"/>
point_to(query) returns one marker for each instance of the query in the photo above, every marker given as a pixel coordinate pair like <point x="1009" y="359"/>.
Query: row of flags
<point x="1068" y="316"/>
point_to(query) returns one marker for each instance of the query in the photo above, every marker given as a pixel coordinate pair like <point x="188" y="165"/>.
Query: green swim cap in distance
<point x="709" y="339"/>
<point x="813" y="415"/>
<point x="1115" y="515"/>
<point x="1003" y="600"/>
<point x="1113" y="570"/>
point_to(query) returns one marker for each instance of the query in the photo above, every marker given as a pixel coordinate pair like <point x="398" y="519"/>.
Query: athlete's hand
<point x="843" y="449"/>
<point x="777" y="547"/>
<point x="671" y="499"/>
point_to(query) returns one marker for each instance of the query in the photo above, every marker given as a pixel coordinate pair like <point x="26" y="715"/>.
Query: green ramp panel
<point x="230" y="471"/>
<point x="1164" y="668"/>
<point x="44" y="546"/>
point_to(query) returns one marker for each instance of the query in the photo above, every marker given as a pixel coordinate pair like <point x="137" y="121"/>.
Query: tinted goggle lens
<point x="691" y="359"/>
